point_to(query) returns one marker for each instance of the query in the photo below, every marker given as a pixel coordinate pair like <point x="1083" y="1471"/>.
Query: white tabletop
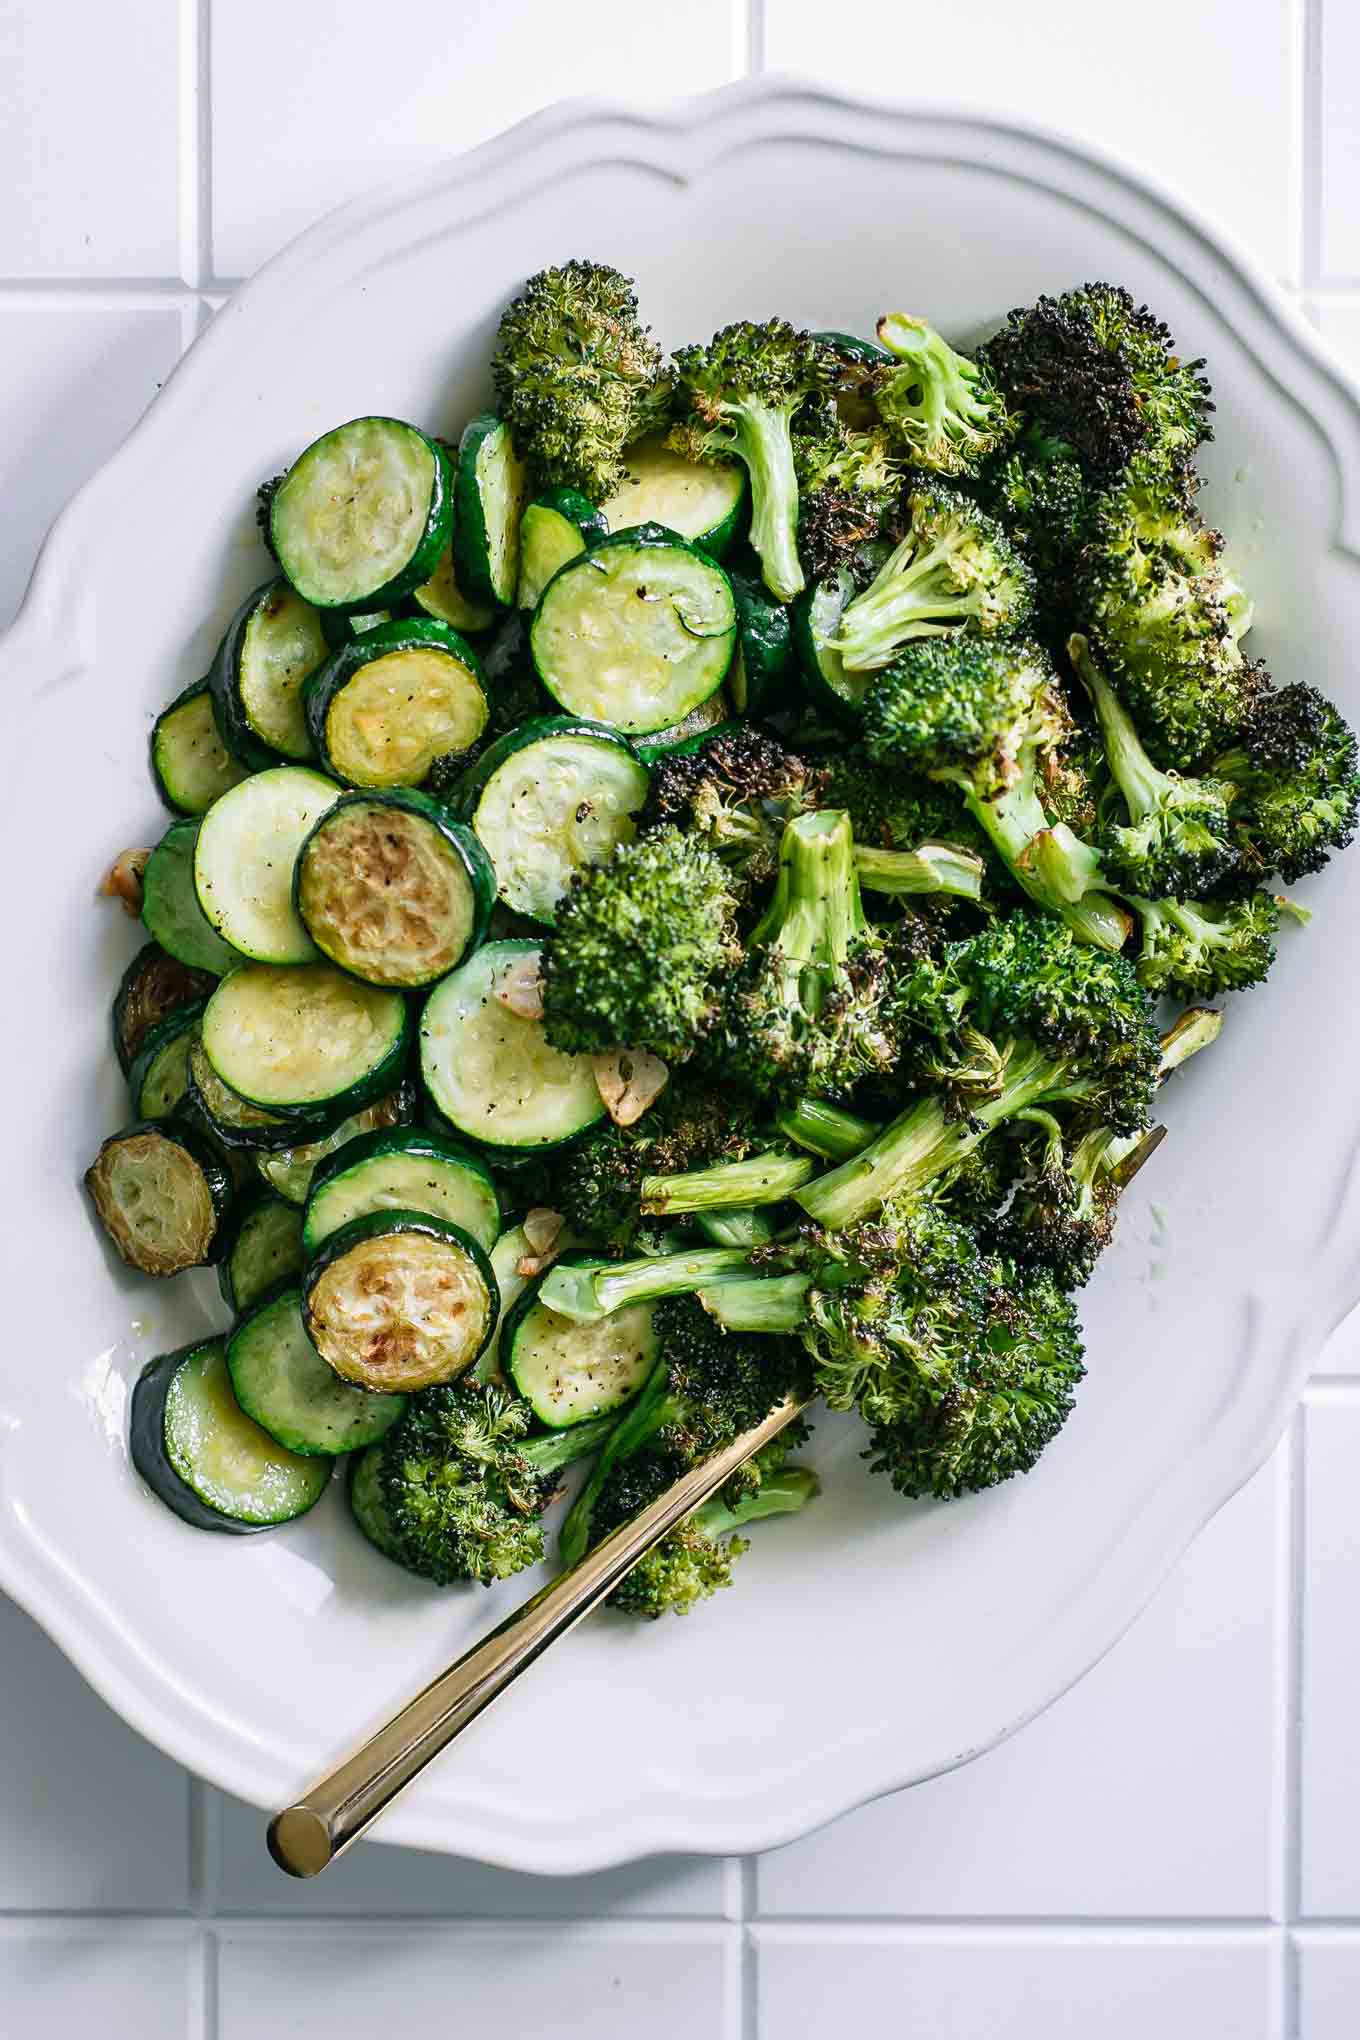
<point x="1174" y="1849"/>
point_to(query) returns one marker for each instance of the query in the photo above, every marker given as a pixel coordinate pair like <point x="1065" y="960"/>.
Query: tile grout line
<point x="1291" y="1837"/>
<point x="1310" y="147"/>
<point x="755" y="37"/>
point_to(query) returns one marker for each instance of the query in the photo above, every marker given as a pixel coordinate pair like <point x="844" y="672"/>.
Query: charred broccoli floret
<point x="1062" y="1215"/>
<point x="733" y="794"/>
<point x="464" y="1487"/>
<point x="577" y="375"/>
<point x="1101" y="374"/>
<point x="848" y="489"/>
<point x="1298" y="789"/>
<point x="741" y="393"/>
<point x="640" y="949"/>
<point x="955" y="569"/>
<point x="958" y="703"/>
<point x="943" y="411"/>
<point x="597" y="1181"/>
<point x="1038" y="493"/>
<point x="1178" y="836"/>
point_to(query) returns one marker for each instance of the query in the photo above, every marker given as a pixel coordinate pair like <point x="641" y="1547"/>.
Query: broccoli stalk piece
<point x="733" y="794"/>
<point x="1298" y="789"/>
<point x="640" y="946"/>
<point x="954" y="569"/>
<point x="942" y="409"/>
<point x="1178" y="836"/>
<point x="577" y="375"/>
<point x="465" y="1489"/>
<point x="767" y="1178"/>
<point x="825" y="1129"/>
<point x="742" y="392"/>
<point x="931" y="868"/>
<point x="597" y="1181"/>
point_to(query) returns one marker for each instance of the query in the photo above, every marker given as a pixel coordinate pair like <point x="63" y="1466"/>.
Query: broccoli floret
<point x="693" y="1125"/>
<point x="1037" y="492"/>
<point x="848" y="489"/>
<point x="741" y="393"/>
<point x="957" y="702"/>
<point x="707" y="1387"/>
<point x="814" y="1004"/>
<point x="1199" y="949"/>
<point x="1003" y="1407"/>
<point x="1298" y="790"/>
<point x="1178" y="836"/>
<point x="465" y="1488"/>
<point x="1062" y="1216"/>
<point x="942" y="410"/>
<point x="733" y="794"/>
<point x="1164" y="620"/>
<point x="954" y="569"/>
<point x="1098" y="372"/>
<point x="639" y="950"/>
<point x="578" y="377"/>
<point x="696" y="1559"/>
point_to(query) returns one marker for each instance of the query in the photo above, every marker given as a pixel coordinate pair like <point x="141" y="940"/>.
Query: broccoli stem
<point x="779" y="1494"/>
<point x="1198" y="1027"/>
<point x="826" y="1130"/>
<point x="1059" y="871"/>
<point x="760" y="1179"/>
<point x="562" y="1448"/>
<point x="1145" y="790"/>
<point x="740" y="1228"/>
<point x="761" y="1303"/>
<point x="642" y="1419"/>
<point x="760" y="435"/>
<point x="931" y="868"/>
<point x="590" y="1290"/>
<point x="909" y="597"/>
<point x="815" y="912"/>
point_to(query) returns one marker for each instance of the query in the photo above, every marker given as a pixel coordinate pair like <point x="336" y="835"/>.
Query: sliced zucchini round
<point x="402" y="1168"/>
<point x="760" y="681"/>
<point x="510" y="1249"/>
<point x="339" y="629"/>
<point x="289" y="1171"/>
<point x="263" y="1248"/>
<point x="816" y="623"/>
<point x="367" y="1503"/>
<point x="492" y="1075"/>
<point x="159" y="1076"/>
<point x="170" y="906"/>
<point x="442" y="598"/>
<point x="362" y="515"/>
<point x="190" y="764"/>
<point x="243" y="865"/>
<point x="304" y="1038"/>
<point x="567" y="1371"/>
<point x="281" y="1381"/>
<point x="272" y="644"/>
<point x="698" y="726"/>
<point x="233" y="1122"/>
<point x="161" y="1195"/>
<point x="201" y="1455"/>
<point x="392" y="889"/>
<point x="490" y="486"/>
<point x="636" y="632"/>
<point x="556" y="526"/>
<point x="549" y="799"/>
<point x="704" y="503"/>
<point x="153" y="986"/>
<point x="385" y="706"/>
<point x="397" y="1301"/>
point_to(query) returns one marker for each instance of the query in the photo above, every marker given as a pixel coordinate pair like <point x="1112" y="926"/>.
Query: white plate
<point x="869" y="1643"/>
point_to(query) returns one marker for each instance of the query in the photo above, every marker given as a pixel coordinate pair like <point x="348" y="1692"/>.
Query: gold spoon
<point x="308" y="1836"/>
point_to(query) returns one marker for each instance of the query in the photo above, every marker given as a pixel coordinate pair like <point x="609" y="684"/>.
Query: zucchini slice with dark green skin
<point x="442" y="598"/>
<point x="289" y="1172"/>
<point x="706" y="503"/>
<point x="854" y="391"/>
<point x="153" y="986"/>
<point x="367" y="1504"/>
<point x="491" y="484"/>
<point x="385" y="706"/>
<point x="816" y="621"/>
<point x="392" y="889"/>
<point x="190" y="764"/>
<point x="272" y="644"/>
<point x="761" y="680"/>
<point x="159" y="1075"/>
<point x="548" y="800"/>
<point x="262" y="1248"/>
<point x="201" y="1455"/>
<point x="492" y="1075"/>
<point x="243" y="861"/>
<point x="637" y="632"/>
<point x="569" y="1372"/>
<point x="362" y="515"/>
<point x="555" y="527"/>
<point x="305" y="1039"/>
<point x="281" y="1381"/>
<point x="171" y="913"/>
<point x="397" y="1301"/>
<point x="161" y="1195"/>
<point x="339" y="629"/>
<point x="696" y="729"/>
<point x="232" y="1121"/>
<point x="402" y="1168"/>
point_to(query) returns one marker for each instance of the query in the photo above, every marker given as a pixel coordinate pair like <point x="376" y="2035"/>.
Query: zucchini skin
<point x="182" y="1131"/>
<point x="181" y="700"/>
<point x="409" y="800"/>
<point x="309" y="1121"/>
<point x="651" y="752"/>
<point x="155" y="1039"/>
<point x="416" y="633"/>
<point x="171" y="912"/>
<point x="233" y="725"/>
<point x="576" y="508"/>
<point x="257" y="1139"/>
<point x="388" y="1224"/>
<point x="381" y="1141"/>
<point x="146" y="1444"/>
<point x="475" y="779"/>
<point x="851" y="348"/>
<point x="765" y="644"/>
<point x="425" y="558"/>
<point x="471" y="551"/>
<point x="154" y="985"/>
<point x="247" y="1203"/>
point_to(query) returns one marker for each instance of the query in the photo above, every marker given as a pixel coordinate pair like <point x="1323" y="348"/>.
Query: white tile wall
<point x="1173" y="1849"/>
